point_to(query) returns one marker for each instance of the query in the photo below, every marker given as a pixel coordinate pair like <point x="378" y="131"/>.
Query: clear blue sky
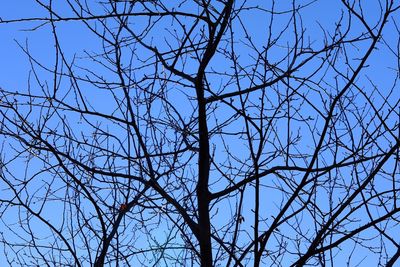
<point x="75" y="39"/>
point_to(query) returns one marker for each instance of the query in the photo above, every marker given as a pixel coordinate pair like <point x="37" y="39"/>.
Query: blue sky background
<point x="319" y="16"/>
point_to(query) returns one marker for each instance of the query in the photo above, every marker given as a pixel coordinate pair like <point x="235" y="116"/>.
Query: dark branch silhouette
<point x="203" y="133"/>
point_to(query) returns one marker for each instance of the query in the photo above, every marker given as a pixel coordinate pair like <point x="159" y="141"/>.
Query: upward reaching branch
<point x="200" y="133"/>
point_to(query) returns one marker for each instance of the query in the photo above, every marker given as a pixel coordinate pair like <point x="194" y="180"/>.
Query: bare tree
<point x="203" y="133"/>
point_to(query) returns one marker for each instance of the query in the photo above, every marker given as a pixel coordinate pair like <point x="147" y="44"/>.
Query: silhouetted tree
<point x="203" y="133"/>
